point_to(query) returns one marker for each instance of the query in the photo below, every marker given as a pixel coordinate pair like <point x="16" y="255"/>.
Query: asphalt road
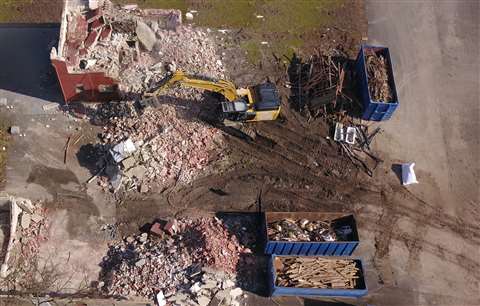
<point x="434" y="45"/>
<point x="435" y="52"/>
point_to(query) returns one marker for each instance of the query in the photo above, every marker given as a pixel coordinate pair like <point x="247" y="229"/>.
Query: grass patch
<point x="252" y="48"/>
<point x="284" y="25"/>
<point x="8" y="9"/>
<point x="160" y="4"/>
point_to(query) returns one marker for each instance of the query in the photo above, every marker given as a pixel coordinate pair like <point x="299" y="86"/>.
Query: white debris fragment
<point x="122" y="150"/>
<point x="408" y="174"/>
<point x="130" y="7"/>
<point x="189" y="16"/>
<point x="259" y="16"/>
<point x="161" y="299"/>
<point x="15" y="130"/>
<point x="145" y="35"/>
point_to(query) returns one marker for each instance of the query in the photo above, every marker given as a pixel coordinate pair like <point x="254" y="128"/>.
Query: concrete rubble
<point x="24" y="223"/>
<point x="192" y="266"/>
<point x="173" y="144"/>
<point x="132" y="46"/>
<point x="168" y="147"/>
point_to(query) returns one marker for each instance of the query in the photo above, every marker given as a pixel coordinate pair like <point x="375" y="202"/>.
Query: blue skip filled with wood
<point x="376" y="83"/>
<point x="310" y="233"/>
<point x="315" y="276"/>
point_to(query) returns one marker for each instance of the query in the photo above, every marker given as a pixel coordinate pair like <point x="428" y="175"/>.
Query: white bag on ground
<point x="408" y="174"/>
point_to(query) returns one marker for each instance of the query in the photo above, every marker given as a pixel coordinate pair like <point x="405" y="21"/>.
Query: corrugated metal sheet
<point x="327" y="248"/>
<point x="360" y="291"/>
<point x="375" y="110"/>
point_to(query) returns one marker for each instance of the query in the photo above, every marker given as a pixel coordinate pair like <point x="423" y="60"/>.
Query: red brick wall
<point x="84" y="86"/>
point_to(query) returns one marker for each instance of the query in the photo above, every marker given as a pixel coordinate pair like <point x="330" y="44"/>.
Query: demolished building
<point x="99" y="41"/>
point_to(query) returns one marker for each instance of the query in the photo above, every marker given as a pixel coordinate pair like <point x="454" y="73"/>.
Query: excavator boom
<point x="226" y="88"/>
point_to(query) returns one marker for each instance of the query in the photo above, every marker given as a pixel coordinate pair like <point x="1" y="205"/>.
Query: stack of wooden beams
<point x="304" y="272"/>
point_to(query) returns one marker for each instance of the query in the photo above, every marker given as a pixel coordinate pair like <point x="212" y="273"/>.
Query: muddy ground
<point x="290" y="165"/>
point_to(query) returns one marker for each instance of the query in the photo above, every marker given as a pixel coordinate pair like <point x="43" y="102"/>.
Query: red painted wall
<point x="84" y="86"/>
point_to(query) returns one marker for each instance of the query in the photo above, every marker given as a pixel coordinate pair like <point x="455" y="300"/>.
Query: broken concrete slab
<point x="25" y="220"/>
<point x="50" y="106"/>
<point x="128" y="162"/>
<point x="203" y="300"/>
<point x="138" y="172"/>
<point x="145" y="35"/>
<point x="236" y="292"/>
<point x="25" y="205"/>
<point x="141" y="262"/>
<point x="37" y="218"/>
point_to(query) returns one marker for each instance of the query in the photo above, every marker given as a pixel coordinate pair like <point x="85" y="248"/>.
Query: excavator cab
<point x="259" y="103"/>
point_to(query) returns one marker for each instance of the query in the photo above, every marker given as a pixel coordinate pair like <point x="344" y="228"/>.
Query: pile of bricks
<point x="172" y="258"/>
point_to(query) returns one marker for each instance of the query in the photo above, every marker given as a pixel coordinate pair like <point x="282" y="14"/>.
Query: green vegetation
<point x="283" y="26"/>
<point x="162" y="4"/>
<point x="8" y="9"/>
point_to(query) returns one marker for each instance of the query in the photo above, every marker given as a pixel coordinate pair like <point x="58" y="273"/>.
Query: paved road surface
<point x="435" y="50"/>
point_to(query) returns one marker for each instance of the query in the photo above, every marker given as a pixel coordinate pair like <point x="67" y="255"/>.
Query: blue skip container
<point x="312" y="248"/>
<point x="359" y="290"/>
<point x="375" y="110"/>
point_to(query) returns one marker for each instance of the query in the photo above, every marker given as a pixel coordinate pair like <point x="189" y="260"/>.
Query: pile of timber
<point x="304" y="272"/>
<point x="378" y="81"/>
<point x="316" y="82"/>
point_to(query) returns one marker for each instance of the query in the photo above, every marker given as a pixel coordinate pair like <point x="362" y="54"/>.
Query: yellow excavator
<point x="256" y="103"/>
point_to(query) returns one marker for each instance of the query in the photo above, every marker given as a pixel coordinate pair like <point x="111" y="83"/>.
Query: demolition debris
<point x="303" y="272"/>
<point x="378" y="80"/>
<point x="172" y="259"/>
<point x="164" y="146"/>
<point x="23" y="227"/>
<point x="317" y="83"/>
<point x="125" y="50"/>
<point x="306" y="230"/>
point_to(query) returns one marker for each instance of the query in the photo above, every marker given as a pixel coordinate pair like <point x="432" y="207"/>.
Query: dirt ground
<point x="290" y="165"/>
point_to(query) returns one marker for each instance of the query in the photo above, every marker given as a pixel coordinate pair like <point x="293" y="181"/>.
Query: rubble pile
<point x="168" y="148"/>
<point x="33" y="229"/>
<point x="133" y="46"/>
<point x="306" y="230"/>
<point x="23" y="227"/>
<point x="214" y="245"/>
<point x="378" y="80"/>
<point x="173" y="259"/>
<point x="214" y="287"/>
<point x="303" y="272"/>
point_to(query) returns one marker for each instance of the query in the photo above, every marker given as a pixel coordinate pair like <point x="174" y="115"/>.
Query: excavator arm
<point x="225" y="88"/>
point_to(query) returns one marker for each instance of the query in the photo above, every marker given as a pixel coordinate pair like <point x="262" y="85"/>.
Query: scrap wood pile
<point x="317" y="84"/>
<point x="302" y="272"/>
<point x="378" y="79"/>
<point x="355" y="143"/>
<point x="306" y="230"/>
<point x="172" y="258"/>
